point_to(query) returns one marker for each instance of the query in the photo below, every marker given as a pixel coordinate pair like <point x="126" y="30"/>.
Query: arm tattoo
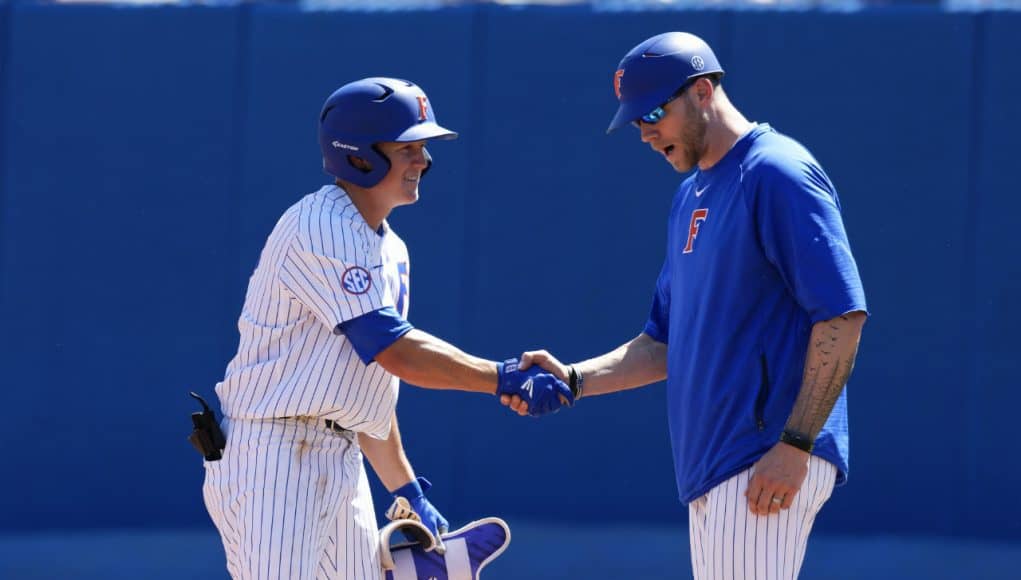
<point x="830" y="358"/>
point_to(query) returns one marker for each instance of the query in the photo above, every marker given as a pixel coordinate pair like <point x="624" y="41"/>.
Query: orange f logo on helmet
<point x="422" y="108"/>
<point x="616" y="82"/>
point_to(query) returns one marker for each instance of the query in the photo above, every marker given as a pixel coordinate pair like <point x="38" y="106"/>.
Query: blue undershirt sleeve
<point x="372" y="332"/>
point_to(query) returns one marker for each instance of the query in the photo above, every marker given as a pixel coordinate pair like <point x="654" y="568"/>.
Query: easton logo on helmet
<point x="339" y="145"/>
<point x="617" y="76"/>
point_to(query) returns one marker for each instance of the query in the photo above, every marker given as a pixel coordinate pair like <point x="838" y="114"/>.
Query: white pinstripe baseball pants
<point x="728" y="542"/>
<point x="291" y="501"/>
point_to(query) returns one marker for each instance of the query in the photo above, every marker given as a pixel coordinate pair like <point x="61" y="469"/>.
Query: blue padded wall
<point x="145" y="153"/>
<point x="5" y="89"/>
<point x="994" y="284"/>
<point x="116" y="230"/>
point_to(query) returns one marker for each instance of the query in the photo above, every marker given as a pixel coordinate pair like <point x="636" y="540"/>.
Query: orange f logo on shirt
<point x="697" y="217"/>
<point x="422" y="108"/>
<point x="617" y="76"/>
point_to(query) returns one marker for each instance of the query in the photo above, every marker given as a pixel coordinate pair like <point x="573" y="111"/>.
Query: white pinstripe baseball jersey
<point x="322" y="265"/>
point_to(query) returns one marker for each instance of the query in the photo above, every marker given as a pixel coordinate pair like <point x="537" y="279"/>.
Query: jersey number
<point x="402" y="295"/>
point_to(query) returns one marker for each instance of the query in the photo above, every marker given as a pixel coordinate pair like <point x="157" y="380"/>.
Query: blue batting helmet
<point x="361" y="114"/>
<point x="653" y="71"/>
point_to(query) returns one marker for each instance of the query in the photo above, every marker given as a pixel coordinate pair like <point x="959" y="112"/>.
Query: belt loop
<point x="335" y="427"/>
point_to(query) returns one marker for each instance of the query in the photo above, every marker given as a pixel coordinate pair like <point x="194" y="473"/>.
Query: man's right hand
<point x="546" y="361"/>
<point x="537" y="392"/>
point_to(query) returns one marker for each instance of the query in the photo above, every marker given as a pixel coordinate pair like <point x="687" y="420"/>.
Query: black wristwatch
<point x="799" y="440"/>
<point x="576" y="381"/>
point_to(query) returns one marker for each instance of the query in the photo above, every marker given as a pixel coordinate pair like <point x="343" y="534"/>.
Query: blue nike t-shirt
<point x="756" y="254"/>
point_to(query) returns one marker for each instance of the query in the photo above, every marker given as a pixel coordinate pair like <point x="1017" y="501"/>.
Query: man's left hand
<point x="777" y="475"/>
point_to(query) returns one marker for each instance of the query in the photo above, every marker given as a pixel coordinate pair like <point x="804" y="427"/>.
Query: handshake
<point x="535" y="385"/>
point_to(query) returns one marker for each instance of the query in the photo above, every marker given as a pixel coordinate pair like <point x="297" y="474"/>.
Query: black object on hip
<point x="207" y="437"/>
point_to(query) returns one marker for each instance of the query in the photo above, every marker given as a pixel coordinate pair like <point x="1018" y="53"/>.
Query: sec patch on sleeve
<point x="356" y="280"/>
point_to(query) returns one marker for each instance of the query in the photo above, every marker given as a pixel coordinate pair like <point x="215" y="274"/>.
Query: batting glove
<point x="543" y="392"/>
<point x="414" y="492"/>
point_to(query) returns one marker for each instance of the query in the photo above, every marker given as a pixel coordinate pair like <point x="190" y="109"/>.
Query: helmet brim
<point x="632" y="110"/>
<point x="425" y="131"/>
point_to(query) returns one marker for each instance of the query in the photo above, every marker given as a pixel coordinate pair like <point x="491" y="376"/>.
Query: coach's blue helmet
<point x="655" y="69"/>
<point x="361" y="114"/>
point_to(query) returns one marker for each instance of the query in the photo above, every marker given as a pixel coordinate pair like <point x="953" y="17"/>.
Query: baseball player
<point x="324" y="339"/>
<point x="755" y="318"/>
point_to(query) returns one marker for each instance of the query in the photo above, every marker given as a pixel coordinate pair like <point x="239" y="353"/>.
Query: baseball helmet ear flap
<point x="363" y="165"/>
<point x="359" y="115"/>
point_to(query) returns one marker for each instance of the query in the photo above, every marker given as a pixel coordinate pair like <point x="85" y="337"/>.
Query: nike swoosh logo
<point x="660" y="55"/>
<point x="699" y="192"/>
